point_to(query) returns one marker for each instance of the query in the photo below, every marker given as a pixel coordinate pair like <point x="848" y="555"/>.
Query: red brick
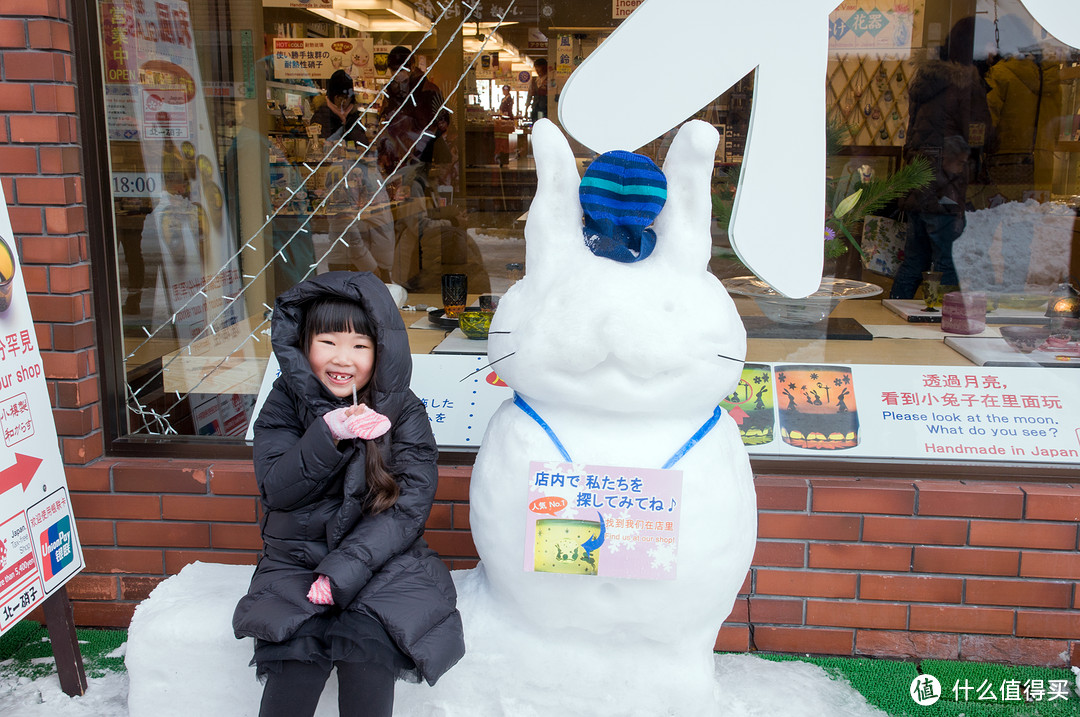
<point x="780" y="555"/>
<point x="13" y="33"/>
<point x="175" y="560"/>
<point x="25" y="220"/>
<point x="48" y="249"/>
<point x="95" y="532"/>
<point x="1052" y="502"/>
<point x="808" y="527"/>
<point x="440" y="517"/>
<point x="163" y="534"/>
<point x="775" y="493"/>
<point x="463" y="563"/>
<point x="1023" y="535"/>
<point x="47" y="190"/>
<point x="1030" y="623"/>
<point x="142" y="507"/>
<point x="159" y="477"/>
<point x="58" y="309"/>
<point x="1014" y="593"/>
<point x="137" y="588"/>
<point x="73" y="394"/>
<point x="451" y="542"/>
<point x="16" y="98"/>
<point x="55" y="98"/>
<point x="859" y="496"/>
<point x="233" y="536"/>
<point x="69" y="279"/>
<point x="49" y="35"/>
<point x="799" y="583"/>
<point x="1063" y="566"/>
<point x="940" y="618"/>
<point x="856" y="614"/>
<point x="36" y="66"/>
<point x="740" y="612"/>
<point x="76" y="421"/>
<point x="65" y="220"/>
<point x="77" y="451"/>
<point x="47" y="8"/>
<point x="214" y="508"/>
<point x="61" y="365"/>
<point x="36" y="281"/>
<point x="122" y="560"/>
<point x="732" y="638"/>
<point x="911" y="588"/>
<point x="1074" y="654"/>
<point x="40" y="129"/>
<point x="60" y="160"/>
<point x="850" y="556"/>
<point x="907" y="645"/>
<point x="92" y="587"/>
<point x="16" y="159"/>
<point x="73" y="337"/>
<point x="233" y="479"/>
<point x="970" y="500"/>
<point x="1013" y="650"/>
<point x="461" y="517"/>
<point x="102" y="614"/>
<point x="453" y="484"/>
<point x="776" y="611"/>
<point x="966" y="561"/>
<point x="804" y="640"/>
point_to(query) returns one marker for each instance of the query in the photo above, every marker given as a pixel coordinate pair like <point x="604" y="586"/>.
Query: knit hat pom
<point x="621" y="194"/>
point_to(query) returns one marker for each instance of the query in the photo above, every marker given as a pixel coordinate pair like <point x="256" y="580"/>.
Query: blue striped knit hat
<point x="621" y="194"/>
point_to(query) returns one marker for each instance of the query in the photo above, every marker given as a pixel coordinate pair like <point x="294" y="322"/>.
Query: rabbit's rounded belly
<point x="716" y="538"/>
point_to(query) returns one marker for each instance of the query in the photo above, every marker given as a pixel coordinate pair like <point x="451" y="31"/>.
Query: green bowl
<point x="475" y="324"/>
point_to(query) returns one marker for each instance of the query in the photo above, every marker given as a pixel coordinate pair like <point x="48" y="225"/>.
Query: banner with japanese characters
<point x="912" y="412"/>
<point x="610" y="521"/>
<point x="878" y="28"/>
<point x="39" y="546"/>
<point x="311" y="58"/>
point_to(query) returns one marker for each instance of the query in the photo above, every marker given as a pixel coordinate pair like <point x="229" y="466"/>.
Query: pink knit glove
<point x="369" y="424"/>
<point x="337" y="421"/>
<point x="319" y="593"/>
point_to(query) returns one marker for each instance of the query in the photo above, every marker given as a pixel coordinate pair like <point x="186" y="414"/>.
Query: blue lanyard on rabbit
<point x="621" y="194"/>
<point x="690" y="443"/>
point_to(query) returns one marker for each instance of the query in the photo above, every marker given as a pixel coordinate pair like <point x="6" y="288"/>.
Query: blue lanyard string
<point x="693" y="441"/>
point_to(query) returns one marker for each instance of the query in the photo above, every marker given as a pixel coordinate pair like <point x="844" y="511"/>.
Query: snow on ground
<point x="182" y="660"/>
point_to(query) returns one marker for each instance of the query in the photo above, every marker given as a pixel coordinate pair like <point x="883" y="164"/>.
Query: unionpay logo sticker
<point x="56" y="548"/>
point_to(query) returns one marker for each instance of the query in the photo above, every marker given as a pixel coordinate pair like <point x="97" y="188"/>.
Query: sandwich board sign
<point x="39" y="545"/>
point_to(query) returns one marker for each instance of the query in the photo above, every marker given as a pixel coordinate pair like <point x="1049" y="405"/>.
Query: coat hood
<point x="937" y="76"/>
<point x="393" y="361"/>
<point x="1027" y="72"/>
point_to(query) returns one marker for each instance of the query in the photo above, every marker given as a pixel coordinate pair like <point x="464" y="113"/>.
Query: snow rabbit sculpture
<point x="624" y="363"/>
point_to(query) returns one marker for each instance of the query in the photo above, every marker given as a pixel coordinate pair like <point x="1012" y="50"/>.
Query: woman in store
<point x="537" y="100"/>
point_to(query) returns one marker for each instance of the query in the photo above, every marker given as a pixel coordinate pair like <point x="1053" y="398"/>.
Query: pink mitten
<point x="319" y="593"/>
<point x="338" y="423"/>
<point x="369" y="424"/>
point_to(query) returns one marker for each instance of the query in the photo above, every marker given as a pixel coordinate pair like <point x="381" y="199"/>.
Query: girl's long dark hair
<point x="329" y="315"/>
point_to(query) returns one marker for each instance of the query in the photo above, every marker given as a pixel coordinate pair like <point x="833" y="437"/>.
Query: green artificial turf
<point x="25" y="651"/>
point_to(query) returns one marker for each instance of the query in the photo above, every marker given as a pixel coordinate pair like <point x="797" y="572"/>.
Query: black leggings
<point x="364" y="690"/>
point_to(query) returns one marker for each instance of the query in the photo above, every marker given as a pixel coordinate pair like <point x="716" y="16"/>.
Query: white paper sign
<point x="39" y="546"/>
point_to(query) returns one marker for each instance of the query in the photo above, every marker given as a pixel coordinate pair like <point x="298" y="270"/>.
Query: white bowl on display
<point x="808" y="310"/>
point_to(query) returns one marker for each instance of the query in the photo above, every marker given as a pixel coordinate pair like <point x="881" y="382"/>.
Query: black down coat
<point x="312" y="493"/>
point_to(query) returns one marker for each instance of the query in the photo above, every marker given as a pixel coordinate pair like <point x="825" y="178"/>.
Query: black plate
<point x="438" y="318"/>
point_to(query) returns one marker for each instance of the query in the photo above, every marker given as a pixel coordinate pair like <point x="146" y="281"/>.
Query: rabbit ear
<point x="553" y="229"/>
<point x="682" y="228"/>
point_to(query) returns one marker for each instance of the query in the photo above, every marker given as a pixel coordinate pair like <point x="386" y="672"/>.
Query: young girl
<point x="345" y="579"/>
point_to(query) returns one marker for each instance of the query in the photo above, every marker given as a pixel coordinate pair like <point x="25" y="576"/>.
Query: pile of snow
<point x="1015" y="246"/>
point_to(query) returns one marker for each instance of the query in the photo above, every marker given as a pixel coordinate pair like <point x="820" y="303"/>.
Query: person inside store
<point x="506" y="107"/>
<point x="338" y="114"/>
<point x="413" y="121"/>
<point x="345" y="462"/>
<point x="537" y="100"/>
<point x="945" y="99"/>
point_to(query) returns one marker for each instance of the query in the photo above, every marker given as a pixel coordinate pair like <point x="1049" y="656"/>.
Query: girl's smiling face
<point x="342" y="360"/>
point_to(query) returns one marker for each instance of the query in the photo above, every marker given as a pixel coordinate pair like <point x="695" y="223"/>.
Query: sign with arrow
<point x="39" y="547"/>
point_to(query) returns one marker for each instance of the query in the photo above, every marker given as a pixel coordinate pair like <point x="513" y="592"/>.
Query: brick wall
<point x="41" y="172"/>
<point x="957" y="570"/>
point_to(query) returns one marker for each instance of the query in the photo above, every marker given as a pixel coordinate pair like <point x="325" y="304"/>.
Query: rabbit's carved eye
<point x="621" y="194"/>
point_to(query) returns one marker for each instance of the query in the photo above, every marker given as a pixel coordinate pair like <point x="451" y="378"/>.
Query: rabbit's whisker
<point x="499" y="332"/>
<point x="731" y="359"/>
<point x="489" y="365"/>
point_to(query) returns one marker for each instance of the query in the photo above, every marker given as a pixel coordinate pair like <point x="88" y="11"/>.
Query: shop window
<point x="233" y="178"/>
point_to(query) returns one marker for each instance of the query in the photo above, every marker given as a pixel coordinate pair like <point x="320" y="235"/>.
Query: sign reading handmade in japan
<point x="610" y="521"/>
